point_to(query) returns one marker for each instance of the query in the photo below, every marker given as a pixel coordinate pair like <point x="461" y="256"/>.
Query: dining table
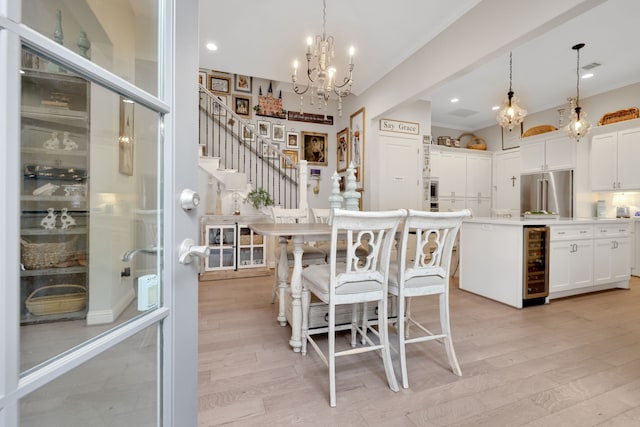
<point x="298" y="233"/>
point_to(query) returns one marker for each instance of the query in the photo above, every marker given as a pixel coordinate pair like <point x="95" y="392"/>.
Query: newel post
<point x="302" y="184"/>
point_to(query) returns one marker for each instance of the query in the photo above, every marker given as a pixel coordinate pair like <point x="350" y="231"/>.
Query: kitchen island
<point x="584" y="255"/>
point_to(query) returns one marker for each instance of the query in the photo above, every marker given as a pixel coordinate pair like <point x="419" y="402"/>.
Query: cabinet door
<point x="602" y="261"/>
<point x="222" y="247"/>
<point x="559" y="266"/>
<point x="620" y="268"/>
<point x="628" y="155"/>
<point x="506" y="181"/>
<point x="560" y="154"/>
<point x="451" y="205"/>
<point x="478" y="177"/>
<point x="532" y="157"/>
<point x="480" y="207"/>
<point x="582" y="264"/>
<point x="604" y="162"/>
<point x="451" y="169"/>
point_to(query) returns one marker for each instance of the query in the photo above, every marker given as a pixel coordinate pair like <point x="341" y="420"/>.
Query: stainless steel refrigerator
<point x="548" y="191"/>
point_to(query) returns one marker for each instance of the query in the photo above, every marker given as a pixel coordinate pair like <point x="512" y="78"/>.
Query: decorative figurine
<point x="52" y="143"/>
<point x="49" y="221"/>
<point x="68" y="143"/>
<point x="66" y="219"/>
<point x="84" y="45"/>
<point x="351" y="196"/>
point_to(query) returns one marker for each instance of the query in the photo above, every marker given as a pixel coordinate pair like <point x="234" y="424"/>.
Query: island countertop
<point x="550" y="221"/>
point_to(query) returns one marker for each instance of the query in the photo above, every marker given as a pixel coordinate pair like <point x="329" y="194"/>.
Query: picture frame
<point x="314" y="148"/>
<point x="126" y="137"/>
<point x="357" y="144"/>
<point x="202" y="78"/>
<point x="248" y="132"/>
<point x="342" y="150"/>
<point x="220" y="85"/>
<point x="277" y="133"/>
<point x="293" y="155"/>
<point x="242" y="105"/>
<point x="293" y="140"/>
<point x="264" y="128"/>
<point x="268" y="151"/>
<point x="215" y="108"/>
<point x="511" y="138"/>
<point x="242" y="83"/>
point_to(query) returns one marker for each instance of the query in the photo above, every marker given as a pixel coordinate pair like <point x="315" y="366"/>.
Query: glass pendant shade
<point x="578" y="126"/>
<point x="511" y="114"/>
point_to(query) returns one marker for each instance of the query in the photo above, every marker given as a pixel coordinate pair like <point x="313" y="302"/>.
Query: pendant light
<point x="578" y="126"/>
<point x="511" y="114"/>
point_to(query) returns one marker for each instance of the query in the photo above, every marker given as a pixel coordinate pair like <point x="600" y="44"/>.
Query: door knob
<point x="188" y="249"/>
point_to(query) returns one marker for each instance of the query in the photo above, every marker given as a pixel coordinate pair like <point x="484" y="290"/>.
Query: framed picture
<point x="126" y="137"/>
<point x="202" y="78"/>
<point x="242" y="83"/>
<point x="249" y="132"/>
<point x="270" y="150"/>
<point x="342" y="154"/>
<point x="242" y="105"/>
<point x="277" y="133"/>
<point x="511" y="138"/>
<point x="314" y="148"/>
<point x="293" y="155"/>
<point x="216" y="109"/>
<point x="356" y="144"/>
<point x="293" y="140"/>
<point x="264" y="128"/>
<point x="220" y="85"/>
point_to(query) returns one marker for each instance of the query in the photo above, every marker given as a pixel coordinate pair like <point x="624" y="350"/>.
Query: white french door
<point x="98" y="319"/>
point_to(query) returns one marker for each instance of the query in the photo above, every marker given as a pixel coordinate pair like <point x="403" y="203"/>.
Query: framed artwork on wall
<point x="291" y="154"/>
<point x="511" y="138"/>
<point x="202" y="78"/>
<point x="242" y="105"/>
<point x="342" y="154"/>
<point x="293" y="140"/>
<point x="243" y="83"/>
<point x="314" y="148"/>
<point x="220" y="85"/>
<point x="269" y="150"/>
<point x="356" y="144"/>
<point x="216" y="109"/>
<point x="264" y="128"/>
<point x="249" y="132"/>
<point x="277" y="133"/>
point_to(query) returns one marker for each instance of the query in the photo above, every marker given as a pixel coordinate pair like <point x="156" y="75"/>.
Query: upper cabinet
<point x="547" y="152"/>
<point x="614" y="161"/>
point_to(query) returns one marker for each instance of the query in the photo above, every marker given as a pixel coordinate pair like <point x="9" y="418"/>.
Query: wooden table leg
<point x="283" y="276"/>
<point x="296" y="291"/>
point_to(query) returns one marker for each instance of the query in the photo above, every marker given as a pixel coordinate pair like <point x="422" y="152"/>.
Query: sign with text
<point x="310" y="118"/>
<point x="400" y="127"/>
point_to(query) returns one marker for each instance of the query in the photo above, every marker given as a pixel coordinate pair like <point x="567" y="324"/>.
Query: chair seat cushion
<point x="317" y="279"/>
<point x="425" y="281"/>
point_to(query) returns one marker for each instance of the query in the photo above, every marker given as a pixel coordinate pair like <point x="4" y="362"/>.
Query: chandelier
<point x="320" y="70"/>
<point x="578" y="126"/>
<point x="511" y="114"/>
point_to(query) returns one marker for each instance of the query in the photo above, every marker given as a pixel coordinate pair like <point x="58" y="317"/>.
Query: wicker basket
<point x="619" y="116"/>
<point x="57" y="303"/>
<point x="35" y="256"/>
<point x="537" y="130"/>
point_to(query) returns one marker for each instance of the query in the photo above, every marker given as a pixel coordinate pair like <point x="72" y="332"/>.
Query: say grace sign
<point x="399" y="126"/>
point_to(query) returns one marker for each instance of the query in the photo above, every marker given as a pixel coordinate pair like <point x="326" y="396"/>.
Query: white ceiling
<point x="262" y="38"/>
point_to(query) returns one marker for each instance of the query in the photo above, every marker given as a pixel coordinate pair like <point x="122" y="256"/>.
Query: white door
<point x="507" y="182"/>
<point x="478" y="176"/>
<point x="399" y="174"/>
<point x="94" y="103"/>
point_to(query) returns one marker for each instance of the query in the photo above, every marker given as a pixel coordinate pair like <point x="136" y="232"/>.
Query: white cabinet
<point x="450" y="169"/>
<point x="571" y="257"/>
<point x="635" y="248"/>
<point x="547" y="153"/>
<point x="614" y="161"/>
<point x="479" y="206"/>
<point x="478" y="176"/>
<point x="612" y="253"/>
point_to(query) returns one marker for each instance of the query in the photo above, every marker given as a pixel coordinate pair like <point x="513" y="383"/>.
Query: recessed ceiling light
<point x="587" y="75"/>
<point x="454" y="100"/>
<point x="212" y="46"/>
<point x="495" y="107"/>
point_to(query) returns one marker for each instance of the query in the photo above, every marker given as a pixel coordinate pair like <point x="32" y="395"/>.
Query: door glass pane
<point x="117" y="388"/>
<point x="120" y="36"/>
<point x="89" y="210"/>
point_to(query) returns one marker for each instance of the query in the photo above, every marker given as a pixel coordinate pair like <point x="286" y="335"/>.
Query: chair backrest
<point x="435" y="234"/>
<point x="288" y="216"/>
<point x="321" y="215"/>
<point x="375" y="230"/>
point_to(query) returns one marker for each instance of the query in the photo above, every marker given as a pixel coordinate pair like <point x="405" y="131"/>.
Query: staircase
<point x="231" y="145"/>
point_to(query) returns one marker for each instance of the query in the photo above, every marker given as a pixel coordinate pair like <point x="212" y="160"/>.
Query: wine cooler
<point x="536" y="265"/>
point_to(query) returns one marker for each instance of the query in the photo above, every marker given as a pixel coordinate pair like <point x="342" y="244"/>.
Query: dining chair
<point x="321" y="215"/>
<point x="349" y="280"/>
<point x="424" y="270"/>
<point x="310" y="256"/>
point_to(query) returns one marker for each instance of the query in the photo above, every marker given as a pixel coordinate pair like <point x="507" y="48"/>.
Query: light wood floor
<point x="573" y="362"/>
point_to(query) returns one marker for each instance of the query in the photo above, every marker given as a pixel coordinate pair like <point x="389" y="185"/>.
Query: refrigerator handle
<point x="538" y="194"/>
<point x="545" y="194"/>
